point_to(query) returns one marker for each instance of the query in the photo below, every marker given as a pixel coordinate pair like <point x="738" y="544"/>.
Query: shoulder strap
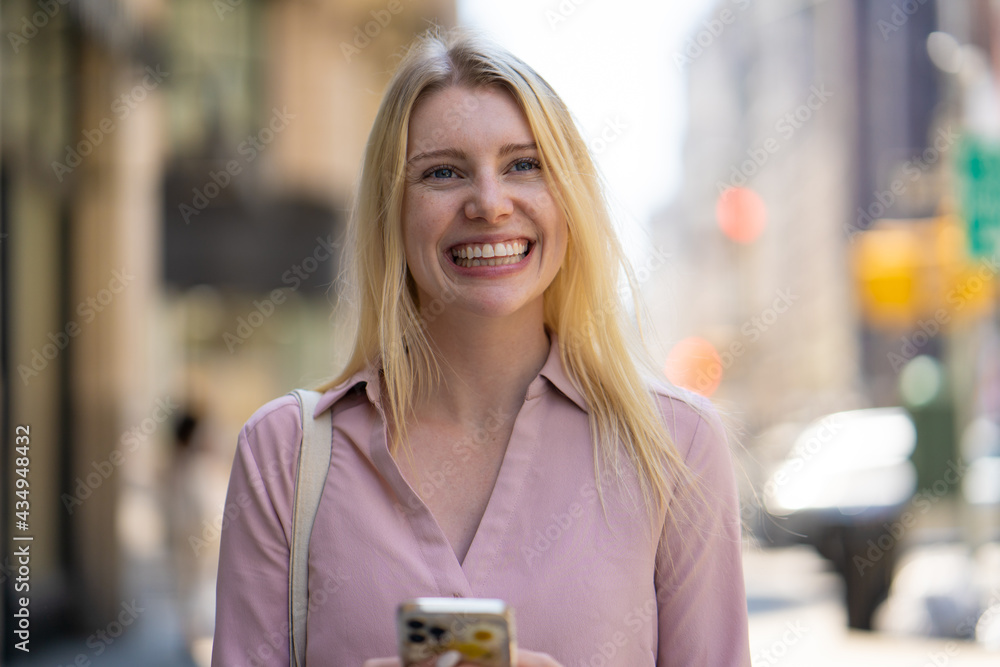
<point x="314" y="462"/>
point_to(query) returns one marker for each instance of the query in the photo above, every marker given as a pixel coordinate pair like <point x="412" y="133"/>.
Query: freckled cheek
<point x="432" y="208"/>
<point x="539" y="204"/>
<point x="542" y="208"/>
<point x="421" y="239"/>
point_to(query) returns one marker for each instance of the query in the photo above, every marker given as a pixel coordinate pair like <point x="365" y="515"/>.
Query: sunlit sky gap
<point x="613" y="63"/>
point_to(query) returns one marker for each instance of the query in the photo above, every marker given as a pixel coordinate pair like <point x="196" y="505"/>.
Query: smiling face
<point x="481" y="230"/>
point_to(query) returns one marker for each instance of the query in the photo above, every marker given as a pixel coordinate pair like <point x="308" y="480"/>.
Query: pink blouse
<point x="587" y="590"/>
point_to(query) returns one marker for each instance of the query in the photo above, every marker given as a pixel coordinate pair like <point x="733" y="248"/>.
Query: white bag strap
<point x="314" y="462"/>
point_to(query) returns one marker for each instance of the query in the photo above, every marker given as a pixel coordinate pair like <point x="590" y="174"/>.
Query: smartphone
<point x="481" y="629"/>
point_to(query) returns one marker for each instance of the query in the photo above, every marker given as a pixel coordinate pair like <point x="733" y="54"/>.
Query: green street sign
<point x="979" y="178"/>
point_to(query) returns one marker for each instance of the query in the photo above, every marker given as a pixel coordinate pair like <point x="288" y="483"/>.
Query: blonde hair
<point x="598" y="348"/>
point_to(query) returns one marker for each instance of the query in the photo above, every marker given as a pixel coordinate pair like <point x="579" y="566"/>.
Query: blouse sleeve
<point x="251" y="617"/>
<point x="701" y="600"/>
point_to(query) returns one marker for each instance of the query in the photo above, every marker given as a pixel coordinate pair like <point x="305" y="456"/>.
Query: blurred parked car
<point x="843" y="489"/>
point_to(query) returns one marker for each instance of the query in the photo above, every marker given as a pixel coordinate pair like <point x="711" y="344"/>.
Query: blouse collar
<point x="552" y="371"/>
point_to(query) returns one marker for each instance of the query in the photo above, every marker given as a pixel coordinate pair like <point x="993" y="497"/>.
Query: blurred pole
<point x="928" y="396"/>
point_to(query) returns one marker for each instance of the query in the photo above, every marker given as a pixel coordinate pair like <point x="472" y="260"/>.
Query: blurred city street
<point x="807" y="191"/>
<point x="797" y="618"/>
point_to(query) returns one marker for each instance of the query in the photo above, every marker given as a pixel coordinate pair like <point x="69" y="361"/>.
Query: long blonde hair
<point x="597" y="346"/>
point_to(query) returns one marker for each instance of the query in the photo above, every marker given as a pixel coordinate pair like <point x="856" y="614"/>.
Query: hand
<point x="532" y="659"/>
<point x="524" y="659"/>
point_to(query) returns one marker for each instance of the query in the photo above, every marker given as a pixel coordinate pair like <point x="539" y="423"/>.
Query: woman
<point x="493" y="436"/>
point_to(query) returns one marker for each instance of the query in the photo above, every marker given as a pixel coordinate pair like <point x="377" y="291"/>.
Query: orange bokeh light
<point x="694" y="364"/>
<point x="741" y="214"/>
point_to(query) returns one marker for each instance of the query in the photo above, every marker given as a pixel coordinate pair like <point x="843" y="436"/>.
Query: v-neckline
<point x="486" y="545"/>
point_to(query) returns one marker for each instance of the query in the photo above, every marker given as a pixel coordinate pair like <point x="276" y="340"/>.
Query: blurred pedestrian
<point x="194" y="503"/>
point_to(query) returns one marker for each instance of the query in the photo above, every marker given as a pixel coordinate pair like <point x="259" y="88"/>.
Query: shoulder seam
<point x="261" y="416"/>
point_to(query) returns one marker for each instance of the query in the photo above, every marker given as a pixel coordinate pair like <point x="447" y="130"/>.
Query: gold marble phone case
<point x="482" y="630"/>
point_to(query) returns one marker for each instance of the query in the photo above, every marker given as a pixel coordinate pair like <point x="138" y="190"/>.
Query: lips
<point x="490" y="254"/>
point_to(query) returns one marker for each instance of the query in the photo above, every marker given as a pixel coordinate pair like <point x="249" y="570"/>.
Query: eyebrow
<point x="505" y="150"/>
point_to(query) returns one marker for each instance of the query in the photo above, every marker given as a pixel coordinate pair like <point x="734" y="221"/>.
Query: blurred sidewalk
<point x="155" y="640"/>
<point x="797" y="618"/>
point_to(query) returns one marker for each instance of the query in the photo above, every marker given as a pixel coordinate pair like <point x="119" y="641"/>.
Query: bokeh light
<point x="741" y="214"/>
<point x="920" y="381"/>
<point x="694" y="363"/>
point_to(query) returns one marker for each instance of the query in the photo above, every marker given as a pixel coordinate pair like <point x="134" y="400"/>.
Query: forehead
<point x="468" y="118"/>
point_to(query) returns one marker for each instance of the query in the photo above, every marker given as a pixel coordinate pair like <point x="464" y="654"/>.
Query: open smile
<point x="490" y="254"/>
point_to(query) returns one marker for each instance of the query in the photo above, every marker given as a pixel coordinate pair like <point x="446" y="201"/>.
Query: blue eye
<point x="526" y="164"/>
<point x="442" y="172"/>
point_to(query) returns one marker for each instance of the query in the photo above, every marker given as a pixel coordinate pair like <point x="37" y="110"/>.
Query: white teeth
<point x="487" y="254"/>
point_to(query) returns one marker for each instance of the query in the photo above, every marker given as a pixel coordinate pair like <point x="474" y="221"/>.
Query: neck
<point x="486" y="363"/>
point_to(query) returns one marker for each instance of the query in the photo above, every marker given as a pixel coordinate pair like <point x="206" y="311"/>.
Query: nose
<point x="489" y="201"/>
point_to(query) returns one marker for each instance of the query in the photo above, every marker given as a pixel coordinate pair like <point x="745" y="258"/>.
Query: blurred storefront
<point x="175" y="177"/>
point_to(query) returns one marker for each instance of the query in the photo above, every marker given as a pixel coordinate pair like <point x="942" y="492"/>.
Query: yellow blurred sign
<point x="913" y="271"/>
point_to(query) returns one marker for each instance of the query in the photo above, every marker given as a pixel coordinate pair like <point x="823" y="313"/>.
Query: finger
<point x="534" y="659"/>
<point x="449" y="659"/>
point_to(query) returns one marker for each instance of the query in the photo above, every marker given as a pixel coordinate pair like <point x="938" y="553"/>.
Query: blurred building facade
<point x="175" y="177"/>
<point x="832" y="251"/>
<point x="770" y="96"/>
<point x="840" y="130"/>
<point x="835" y="117"/>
